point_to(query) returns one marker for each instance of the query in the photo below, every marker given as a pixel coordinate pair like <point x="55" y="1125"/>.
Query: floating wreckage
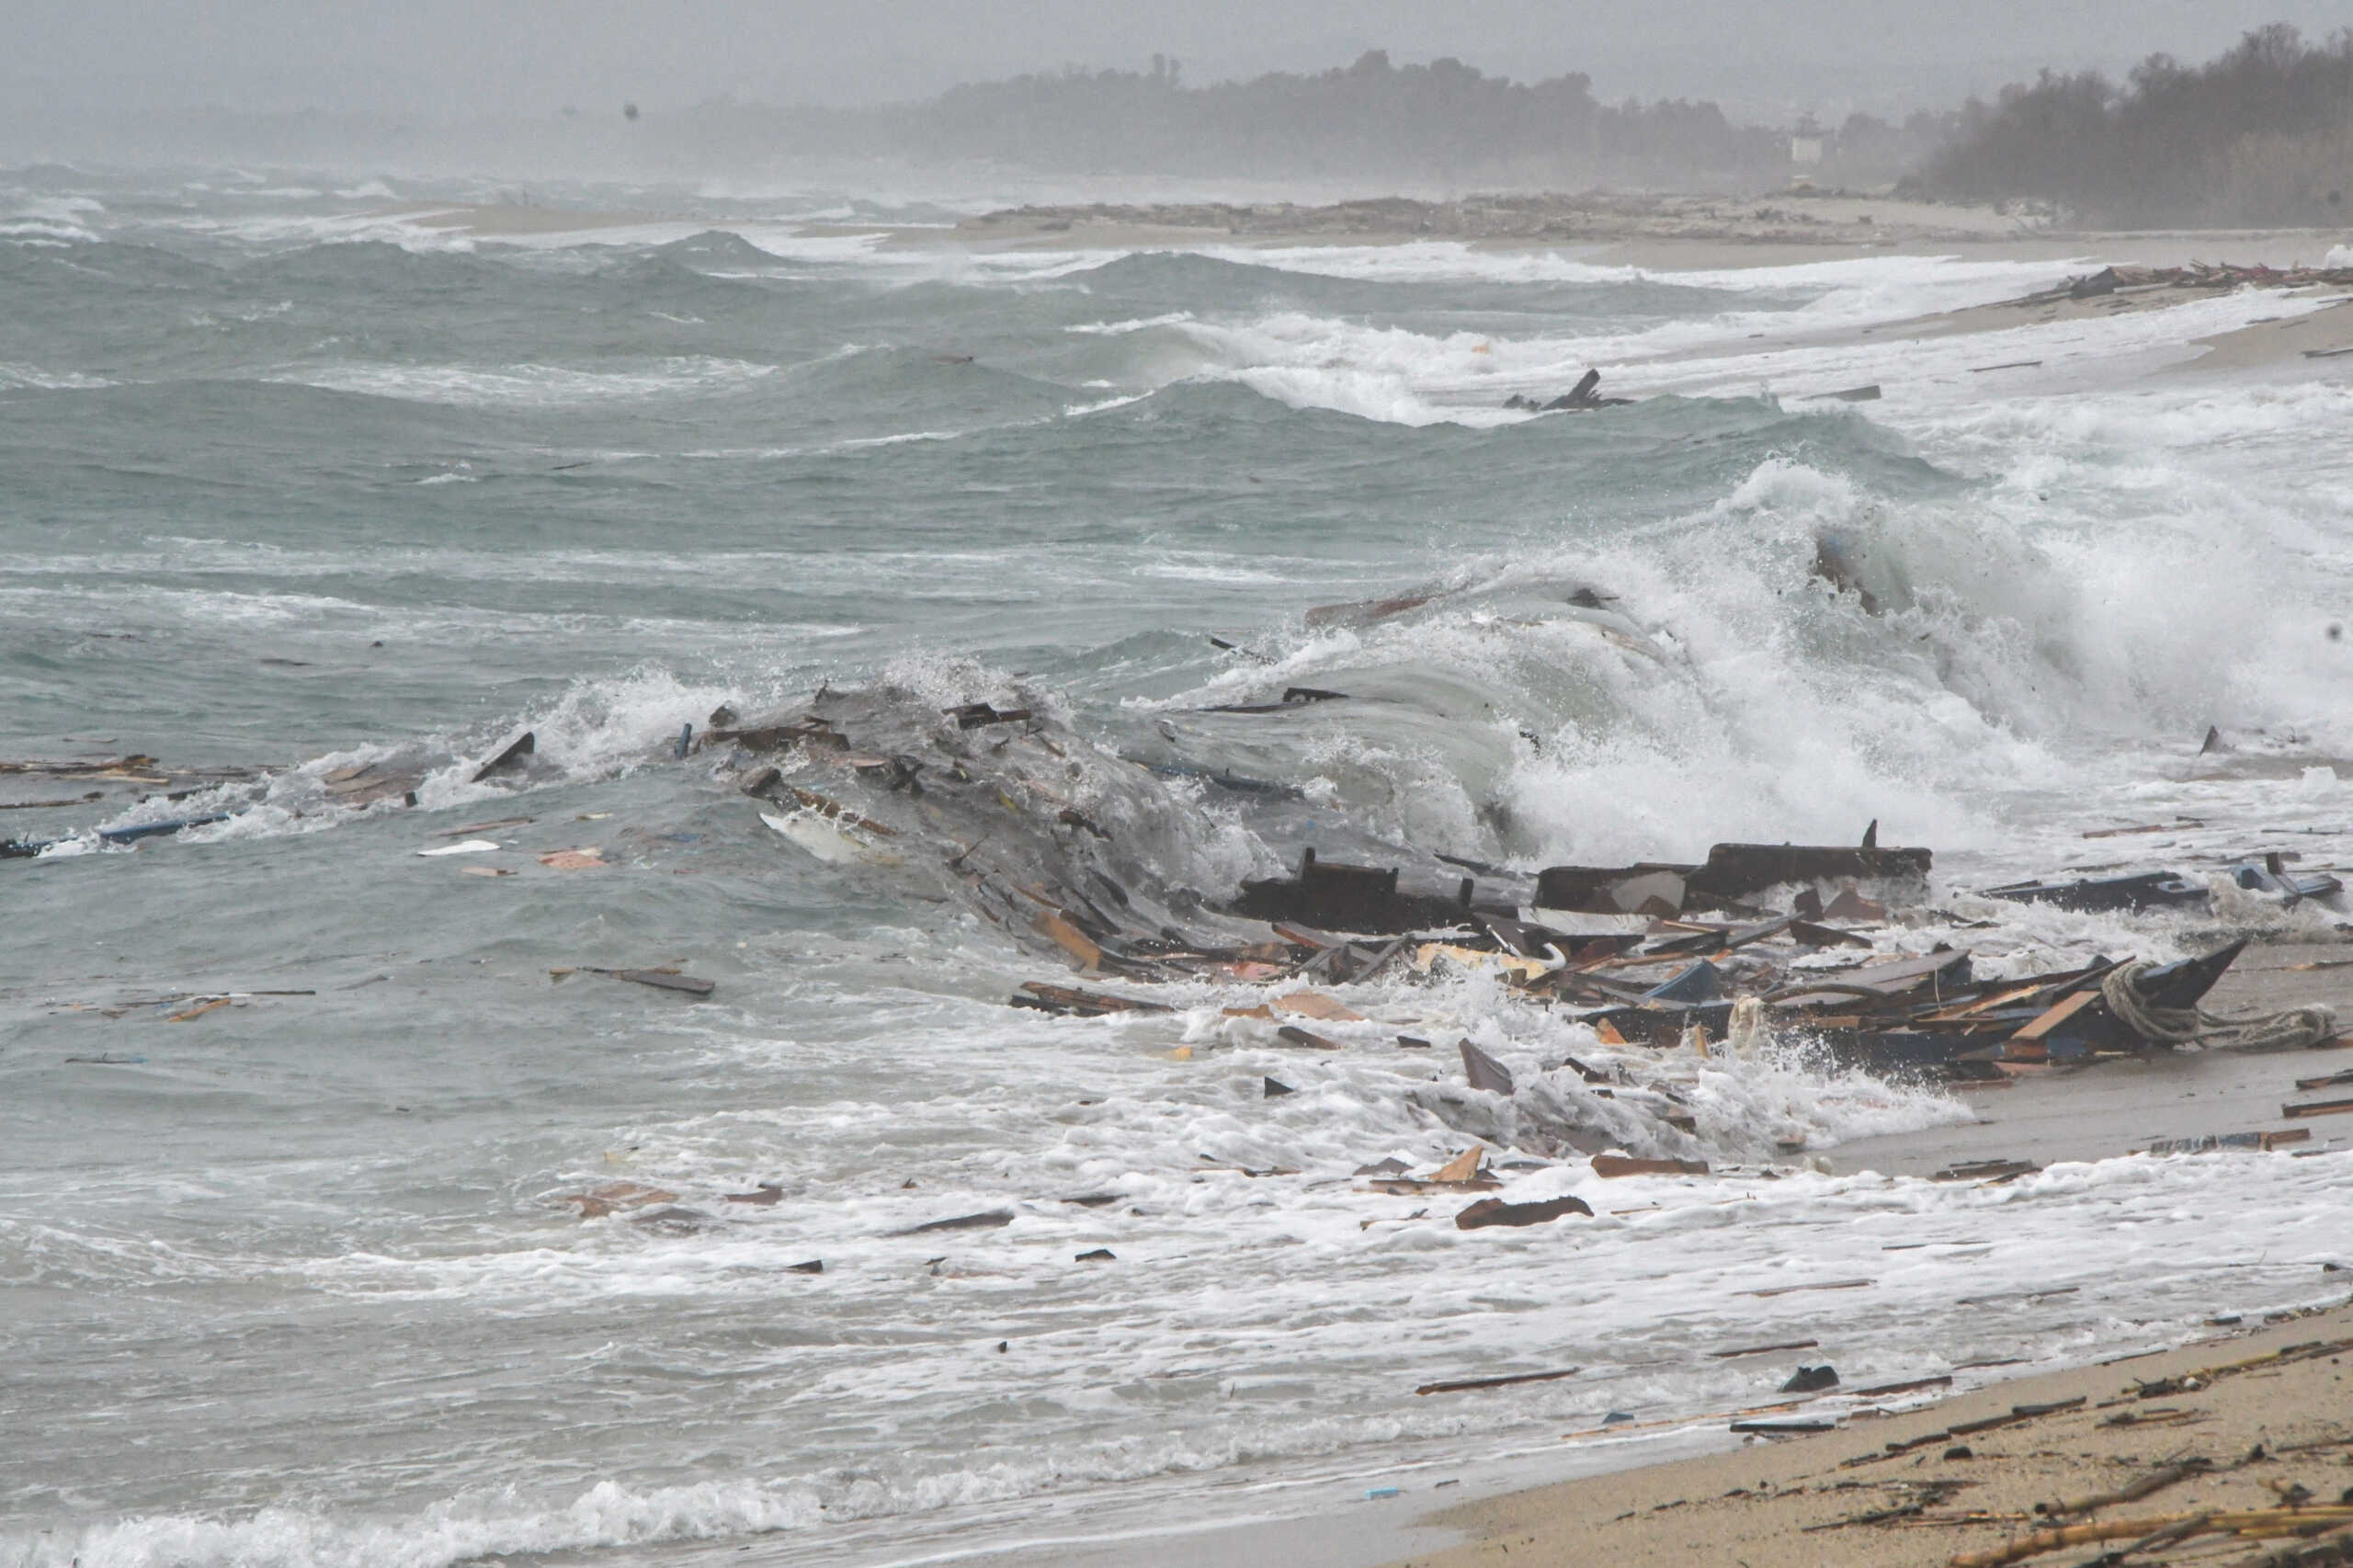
<point x="1578" y="399"/>
<point x="1000" y="806"/>
<point x="1060" y="844"/>
<point x="2169" y="890"/>
<point x="110" y="783"/>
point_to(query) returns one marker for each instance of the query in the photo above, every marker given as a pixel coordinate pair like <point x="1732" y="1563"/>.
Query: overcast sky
<point x="462" y="59"/>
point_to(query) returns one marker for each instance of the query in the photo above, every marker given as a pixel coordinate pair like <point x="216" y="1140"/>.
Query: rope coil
<point x="2294" y="1029"/>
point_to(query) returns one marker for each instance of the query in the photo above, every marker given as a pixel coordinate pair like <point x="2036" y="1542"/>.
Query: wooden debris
<point x="1485" y="1073"/>
<point x="975" y="715"/>
<point x="615" y="1195"/>
<point x="1489" y="1212"/>
<point x="472" y="828"/>
<point x="508" y="759"/>
<point x="1315" y="1005"/>
<point x="1464" y="1385"/>
<point x="2130" y="1492"/>
<point x="1784" y="1429"/>
<point x="1463" y="1166"/>
<point x="666" y="978"/>
<point x="2018" y="1412"/>
<point x="1617" y="1165"/>
<point x="1884" y="1391"/>
<point x="1764" y="1349"/>
<point x="213" y="1005"/>
<point x="1069" y="999"/>
<point x="2256" y="1524"/>
<point x="2262" y="1143"/>
<point x="988" y="1219"/>
<point x="1826" y="1285"/>
<point x="1987" y="1170"/>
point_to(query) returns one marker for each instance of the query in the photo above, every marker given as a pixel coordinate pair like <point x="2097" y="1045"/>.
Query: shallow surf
<point x="301" y="484"/>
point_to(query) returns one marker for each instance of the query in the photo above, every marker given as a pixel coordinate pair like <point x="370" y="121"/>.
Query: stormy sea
<point x="349" y="1218"/>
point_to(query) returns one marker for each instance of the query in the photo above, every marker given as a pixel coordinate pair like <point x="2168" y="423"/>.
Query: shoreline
<point x="1661" y="236"/>
<point x="1906" y="1486"/>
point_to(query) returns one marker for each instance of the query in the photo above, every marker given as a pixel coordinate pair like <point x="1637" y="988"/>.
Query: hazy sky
<point x="460" y="59"/>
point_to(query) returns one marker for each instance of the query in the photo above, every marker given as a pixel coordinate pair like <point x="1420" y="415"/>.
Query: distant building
<point x="1808" y="142"/>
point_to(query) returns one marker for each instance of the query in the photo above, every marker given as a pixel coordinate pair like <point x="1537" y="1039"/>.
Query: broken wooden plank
<point x="508" y="758"/>
<point x="1765" y="1349"/>
<point x="988" y="1219"/>
<point x="1489" y="1212"/>
<point x="1824" y="1285"/>
<point x="1881" y="1390"/>
<point x="1987" y="1170"/>
<point x="2018" y="1412"/>
<point x="1048" y="998"/>
<point x="1069" y="937"/>
<point x="2130" y="1492"/>
<point x="663" y="980"/>
<point x="1784" y="1429"/>
<point x="1461" y="1385"/>
<point x="2059" y="1013"/>
<point x="2317" y="1108"/>
<point x="1484" y="1072"/>
<point x="1315" y="1005"/>
<point x="1463" y="1166"/>
<point x="1615" y="1166"/>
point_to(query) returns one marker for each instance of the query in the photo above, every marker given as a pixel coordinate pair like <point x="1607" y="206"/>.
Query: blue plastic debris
<point x="1695" y="984"/>
<point x="1372" y="1494"/>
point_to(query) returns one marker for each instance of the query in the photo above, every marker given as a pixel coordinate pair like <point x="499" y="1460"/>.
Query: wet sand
<point x="1848" y="1497"/>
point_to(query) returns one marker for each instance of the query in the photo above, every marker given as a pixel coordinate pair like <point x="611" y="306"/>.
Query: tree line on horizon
<point x="2260" y="135"/>
<point x="1444" y="122"/>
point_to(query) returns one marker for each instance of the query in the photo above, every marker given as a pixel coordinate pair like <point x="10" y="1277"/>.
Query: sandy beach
<point x="2249" y="1423"/>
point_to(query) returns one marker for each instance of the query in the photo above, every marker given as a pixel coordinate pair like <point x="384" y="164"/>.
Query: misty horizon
<point x="441" y="64"/>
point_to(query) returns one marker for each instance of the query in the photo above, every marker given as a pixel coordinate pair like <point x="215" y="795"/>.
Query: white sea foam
<point x="1121" y="328"/>
<point x="2081" y="1259"/>
<point x="528" y="385"/>
<point x="1407" y="377"/>
<point x="35" y="378"/>
<point x="2071" y="591"/>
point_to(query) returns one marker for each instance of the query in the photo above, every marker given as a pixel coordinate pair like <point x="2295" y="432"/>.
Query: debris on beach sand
<point x="2127" y="280"/>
